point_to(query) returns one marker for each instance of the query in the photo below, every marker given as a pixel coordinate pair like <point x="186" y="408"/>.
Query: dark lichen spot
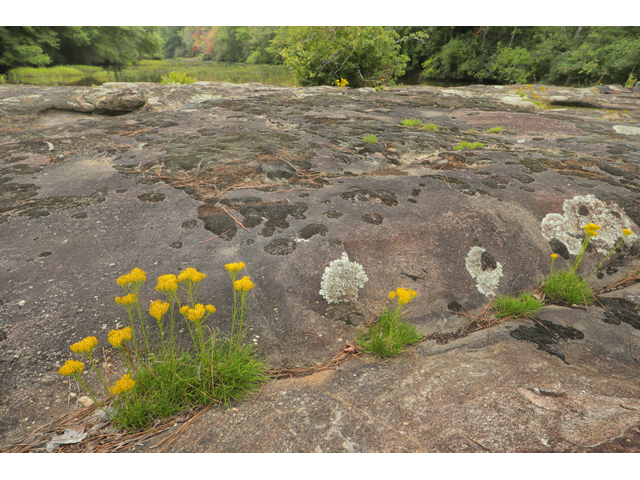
<point x="496" y="182"/>
<point x="333" y="214"/>
<point x="44" y="254"/>
<point x="373" y="218"/>
<point x="152" y="197"/>
<point x="176" y="245"/>
<point x="620" y="310"/>
<point x="79" y="215"/>
<point x="415" y="192"/>
<point x="583" y="210"/>
<point x="560" y="248"/>
<point x="122" y="190"/>
<point x="546" y="333"/>
<point x="487" y="262"/>
<point x="189" y="224"/>
<point x="280" y="246"/>
<point x="412" y="200"/>
<point x="333" y="243"/>
<point x="524" y="178"/>
<point x="222" y="225"/>
<point x="313" y="229"/>
<point x="454" y="306"/>
<point x="250" y="241"/>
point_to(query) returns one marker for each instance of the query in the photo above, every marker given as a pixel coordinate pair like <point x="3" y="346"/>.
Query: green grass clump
<point x="495" y="130"/>
<point x="389" y="336"/>
<point x="463" y="145"/>
<point x="371" y="139"/>
<point x="407" y="122"/>
<point x="177" y="78"/>
<point x="430" y="126"/>
<point x="525" y="304"/>
<point x="567" y="286"/>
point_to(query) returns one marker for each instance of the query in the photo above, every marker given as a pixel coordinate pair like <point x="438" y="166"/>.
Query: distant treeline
<point x="576" y="56"/>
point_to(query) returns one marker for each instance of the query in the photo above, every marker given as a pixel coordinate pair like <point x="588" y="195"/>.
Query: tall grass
<point x="152" y="71"/>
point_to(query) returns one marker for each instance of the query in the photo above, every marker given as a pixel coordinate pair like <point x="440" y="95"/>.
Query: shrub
<point x="389" y="336"/>
<point x="364" y="56"/>
<point x="177" y="78"/>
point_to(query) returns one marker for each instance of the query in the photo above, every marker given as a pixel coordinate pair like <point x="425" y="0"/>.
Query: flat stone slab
<point x="97" y="181"/>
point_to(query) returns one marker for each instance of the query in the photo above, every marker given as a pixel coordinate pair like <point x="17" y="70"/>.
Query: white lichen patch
<point x="578" y="212"/>
<point x="487" y="280"/>
<point x="341" y="280"/>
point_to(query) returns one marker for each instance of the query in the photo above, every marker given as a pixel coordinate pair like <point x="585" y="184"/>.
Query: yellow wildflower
<point x="86" y="345"/>
<point x="210" y="308"/>
<point x="592" y="229"/>
<point x="234" y="267"/>
<point x="405" y="295"/>
<point x="167" y="283"/>
<point x="126" y="300"/>
<point x="554" y="255"/>
<point x="191" y="274"/>
<point x="116" y="337"/>
<point x="136" y="275"/>
<point x="627" y="232"/>
<point x="71" y="367"/>
<point x="184" y="309"/>
<point x="194" y="314"/>
<point x="158" y="309"/>
<point x="245" y="284"/>
<point x="125" y="384"/>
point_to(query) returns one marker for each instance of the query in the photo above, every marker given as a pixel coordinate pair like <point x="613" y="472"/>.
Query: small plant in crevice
<point x="163" y="377"/>
<point x="472" y="146"/>
<point x="495" y="130"/>
<point x="430" y="126"/>
<point x="507" y="306"/>
<point x="389" y="336"/>
<point x="371" y="139"/>
<point x="409" y="122"/>
<point x="536" y="97"/>
<point x="567" y="285"/>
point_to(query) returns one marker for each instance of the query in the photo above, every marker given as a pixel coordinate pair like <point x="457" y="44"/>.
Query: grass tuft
<point x="463" y="145"/>
<point x="407" y="122"/>
<point x="525" y="304"/>
<point x="371" y="139"/>
<point x="495" y="130"/>
<point x="566" y="285"/>
<point x="389" y="336"/>
<point x="430" y="126"/>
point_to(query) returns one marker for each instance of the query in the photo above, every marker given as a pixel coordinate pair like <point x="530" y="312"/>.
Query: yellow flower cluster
<point x="126" y="300"/>
<point x="116" y="337"/>
<point x="86" y="345"/>
<point x="125" y="384"/>
<point x="167" y="283"/>
<point x="554" y="255"/>
<point x="244" y="284"/>
<point x="404" y="295"/>
<point x="196" y="313"/>
<point x="136" y="275"/>
<point x="234" y="267"/>
<point x="341" y="83"/>
<point x="191" y="274"/>
<point x="592" y="229"/>
<point x="71" y="367"/>
<point x="627" y="232"/>
<point x="158" y="309"/>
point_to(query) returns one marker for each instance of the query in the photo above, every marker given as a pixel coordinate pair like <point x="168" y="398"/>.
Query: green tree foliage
<point x="101" y="46"/>
<point x="24" y="46"/>
<point x="363" y="56"/>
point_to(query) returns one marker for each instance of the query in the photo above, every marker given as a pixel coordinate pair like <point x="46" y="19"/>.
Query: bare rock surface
<point x="97" y="181"/>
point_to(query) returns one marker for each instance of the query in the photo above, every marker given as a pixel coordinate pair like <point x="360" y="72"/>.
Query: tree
<point x="364" y="56"/>
<point x="25" y="46"/>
